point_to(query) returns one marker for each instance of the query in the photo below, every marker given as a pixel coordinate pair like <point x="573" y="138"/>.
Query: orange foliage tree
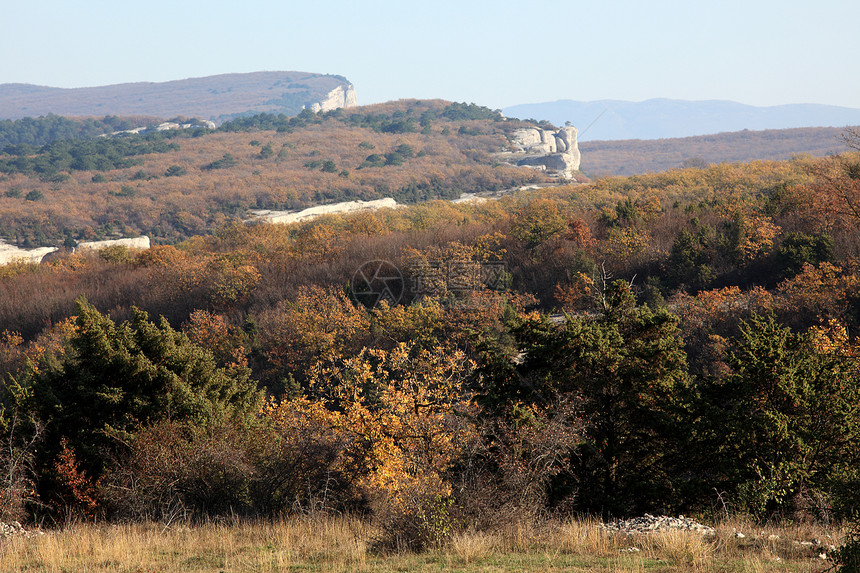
<point x="320" y="323"/>
<point x="406" y="414"/>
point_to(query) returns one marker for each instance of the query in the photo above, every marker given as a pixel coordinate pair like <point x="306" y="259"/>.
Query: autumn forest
<point x="683" y="341"/>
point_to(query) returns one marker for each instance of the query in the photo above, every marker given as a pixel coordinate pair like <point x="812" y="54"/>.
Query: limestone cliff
<point x="556" y="151"/>
<point x="12" y="254"/>
<point x="141" y="243"/>
<point x="286" y="217"/>
<point x="341" y="96"/>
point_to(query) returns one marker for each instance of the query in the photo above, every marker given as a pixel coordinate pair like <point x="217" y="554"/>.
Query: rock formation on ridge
<point x="545" y="149"/>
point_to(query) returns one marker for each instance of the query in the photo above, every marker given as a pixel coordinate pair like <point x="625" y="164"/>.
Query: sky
<point x="493" y="53"/>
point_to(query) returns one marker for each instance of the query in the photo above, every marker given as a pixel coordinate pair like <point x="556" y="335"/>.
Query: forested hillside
<point x="676" y="342"/>
<point x="176" y="184"/>
<point x="210" y="98"/>
<point x="636" y="156"/>
<point x="60" y="183"/>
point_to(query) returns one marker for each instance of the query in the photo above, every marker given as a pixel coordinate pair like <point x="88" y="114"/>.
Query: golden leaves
<point x="404" y="412"/>
<point x="627" y="243"/>
<point x="758" y="235"/>
<point x="320" y="323"/>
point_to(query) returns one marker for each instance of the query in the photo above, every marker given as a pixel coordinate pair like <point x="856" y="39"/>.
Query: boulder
<point x="523" y="139"/>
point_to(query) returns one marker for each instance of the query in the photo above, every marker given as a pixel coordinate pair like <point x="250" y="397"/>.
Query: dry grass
<point x="692" y="551"/>
<point x="149" y="547"/>
<point x="340" y="544"/>
<point x="473" y="546"/>
<point x="583" y="537"/>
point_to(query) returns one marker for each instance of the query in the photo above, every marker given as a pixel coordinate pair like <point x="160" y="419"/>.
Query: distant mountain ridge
<point x="636" y="156"/>
<point x="216" y="98"/>
<point x="663" y="118"/>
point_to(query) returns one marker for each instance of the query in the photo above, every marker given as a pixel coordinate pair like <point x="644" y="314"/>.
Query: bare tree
<point x="17" y="488"/>
<point x="851" y="137"/>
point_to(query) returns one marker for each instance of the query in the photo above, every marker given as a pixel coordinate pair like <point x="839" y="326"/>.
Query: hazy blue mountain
<point x="211" y="97"/>
<point x="659" y="118"/>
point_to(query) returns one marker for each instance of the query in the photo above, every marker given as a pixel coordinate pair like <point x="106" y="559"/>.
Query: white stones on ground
<point x="649" y="523"/>
<point x="15" y="529"/>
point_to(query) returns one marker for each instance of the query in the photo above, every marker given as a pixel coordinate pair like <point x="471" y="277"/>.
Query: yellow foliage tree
<point x="322" y="322"/>
<point x="406" y="415"/>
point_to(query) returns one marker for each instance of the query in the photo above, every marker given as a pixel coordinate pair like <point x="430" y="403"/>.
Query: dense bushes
<point x="475" y="397"/>
<point x="110" y="381"/>
<point x="89" y="155"/>
<point x="41" y="131"/>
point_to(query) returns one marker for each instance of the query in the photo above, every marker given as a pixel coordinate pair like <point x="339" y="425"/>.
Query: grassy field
<point x="344" y="544"/>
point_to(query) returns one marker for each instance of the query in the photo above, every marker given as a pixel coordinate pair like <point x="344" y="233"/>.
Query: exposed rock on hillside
<point x="286" y="217"/>
<point x="141" y="243"/>
<point x="550" y="150"/>
<point x="11" y="254"/>
<point x="341" y="96"/>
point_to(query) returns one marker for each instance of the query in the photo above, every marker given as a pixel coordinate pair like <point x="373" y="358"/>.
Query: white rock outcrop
<point x="12" y="254"/>
<point x="341" y="96"/>
<point x="286" y="217"/>
<point x="545" y="149"/>
<point x="141" y="243"/>
<point x="15" y="529"/>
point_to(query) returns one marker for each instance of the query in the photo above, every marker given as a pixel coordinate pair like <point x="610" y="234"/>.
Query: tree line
<point x="679" y="342"/>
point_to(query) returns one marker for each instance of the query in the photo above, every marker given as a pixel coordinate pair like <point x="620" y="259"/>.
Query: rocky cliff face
<point x="341" y="96"/>
<point x="556" y="151"/>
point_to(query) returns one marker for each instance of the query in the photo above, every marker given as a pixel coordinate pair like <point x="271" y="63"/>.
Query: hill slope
<point x="212" y="97"/>
<point x="658" y="118"/>
<point x="175" y="184"/>
<point x="636" y="156"/>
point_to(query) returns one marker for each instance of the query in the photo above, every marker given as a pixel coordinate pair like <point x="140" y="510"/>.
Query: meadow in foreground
<point x="346" y="544"/>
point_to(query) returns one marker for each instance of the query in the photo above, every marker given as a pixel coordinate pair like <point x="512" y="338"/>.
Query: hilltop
<point x="176" y="184"/>
<point x="215" y="98"/>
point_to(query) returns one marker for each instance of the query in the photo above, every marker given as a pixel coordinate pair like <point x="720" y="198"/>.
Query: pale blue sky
<point x="497" y="53"/>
